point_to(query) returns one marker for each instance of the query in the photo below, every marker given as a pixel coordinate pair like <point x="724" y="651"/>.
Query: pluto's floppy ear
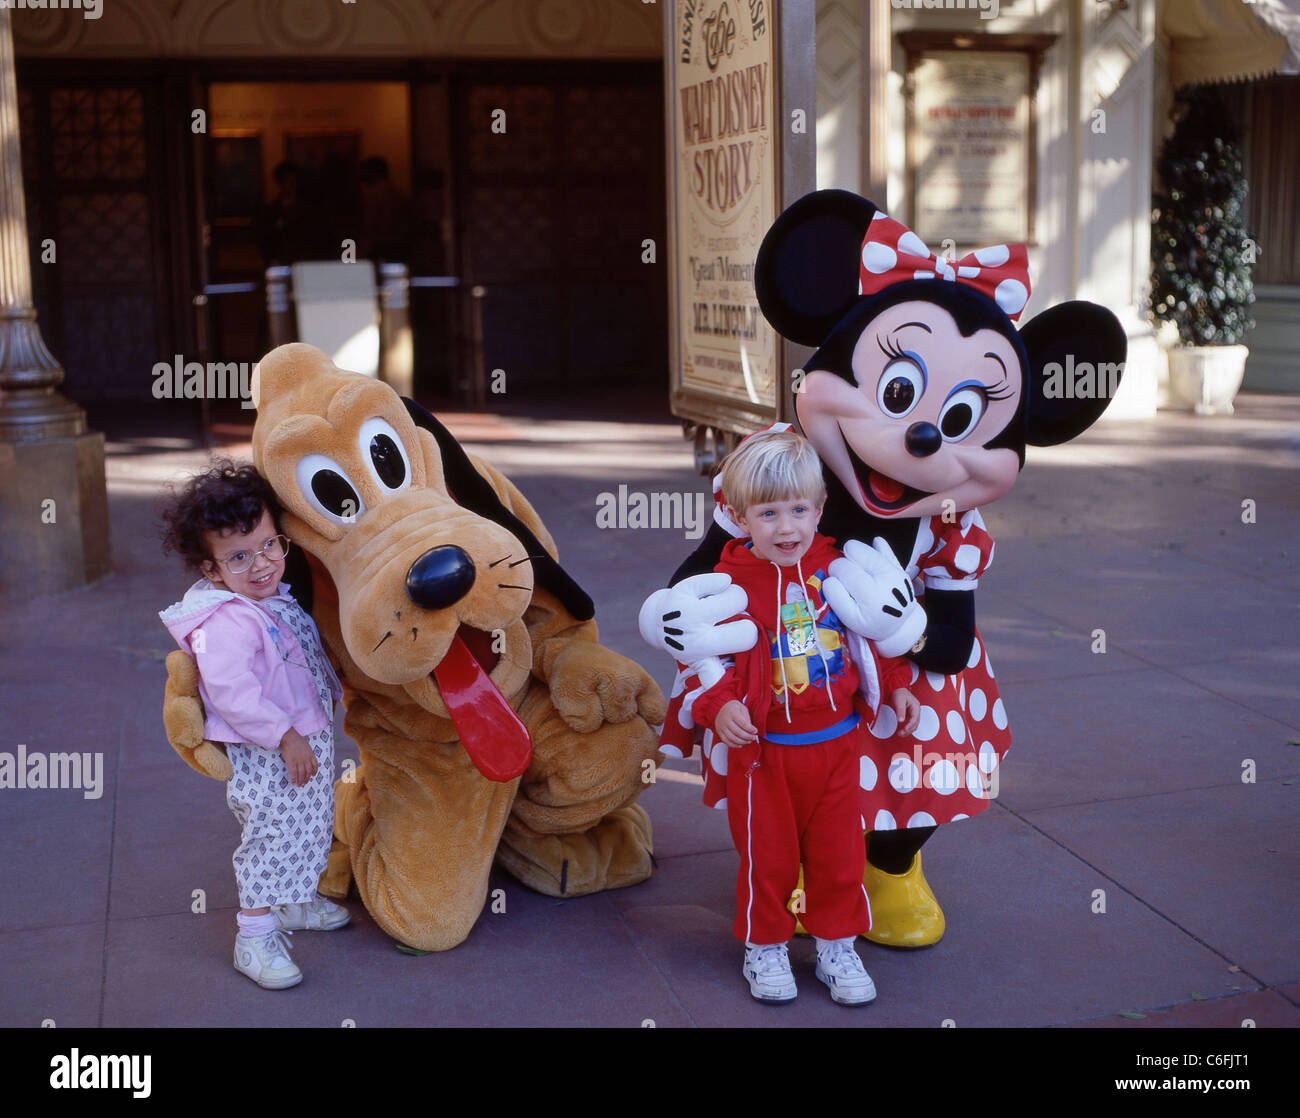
<point x="1076" y="358"/>
<point x="806" y="272"/>
<point x="471" y="490"/>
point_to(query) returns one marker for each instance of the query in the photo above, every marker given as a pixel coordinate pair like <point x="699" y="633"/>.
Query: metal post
<point x="396" y="364"/>
<point x="478" y="385"/>
<point x="201" y="337"/>
<point x="279" y="305"/>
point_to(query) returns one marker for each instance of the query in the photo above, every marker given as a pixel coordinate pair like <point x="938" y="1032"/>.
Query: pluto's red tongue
<point x="496" y="741"/>
<point x="885" y="488"/>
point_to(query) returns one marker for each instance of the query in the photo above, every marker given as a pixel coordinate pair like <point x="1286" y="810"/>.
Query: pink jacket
<point x="251" y="693"/>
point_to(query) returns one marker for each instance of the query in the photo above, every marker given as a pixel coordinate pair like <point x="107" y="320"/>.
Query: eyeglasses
<point x="275" y="549"/>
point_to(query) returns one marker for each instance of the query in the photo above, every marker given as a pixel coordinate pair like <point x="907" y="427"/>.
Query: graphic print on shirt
<point x="795" y="660"/>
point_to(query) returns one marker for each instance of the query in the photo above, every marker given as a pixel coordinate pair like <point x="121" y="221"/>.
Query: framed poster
<point x="732" y="155"/>
<point x="972" y="159"/>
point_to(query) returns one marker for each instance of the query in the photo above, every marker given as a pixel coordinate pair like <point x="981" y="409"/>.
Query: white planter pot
<point x="1205" y="378"/>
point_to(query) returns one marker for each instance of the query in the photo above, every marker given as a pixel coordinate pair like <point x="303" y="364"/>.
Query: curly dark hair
<point x="224" y="496"/>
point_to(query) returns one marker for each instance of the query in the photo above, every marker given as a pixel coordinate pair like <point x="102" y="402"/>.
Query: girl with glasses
<point x="268" y="691"/>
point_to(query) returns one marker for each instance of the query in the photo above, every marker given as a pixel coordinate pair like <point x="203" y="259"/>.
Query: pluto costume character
<point x="492" y="725"/>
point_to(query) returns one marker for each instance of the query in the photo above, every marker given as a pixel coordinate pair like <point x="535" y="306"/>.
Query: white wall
<point x="1092" y="222"/>
<point x="1275" y="341"/>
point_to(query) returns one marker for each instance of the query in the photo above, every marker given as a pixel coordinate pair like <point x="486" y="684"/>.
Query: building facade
<point x="133" y="209"/>
<point x="1104" y="89"/>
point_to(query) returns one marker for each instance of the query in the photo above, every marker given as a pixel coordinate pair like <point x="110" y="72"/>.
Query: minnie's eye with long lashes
<point x="961" y="412"/>
<point x="900" y="387"/>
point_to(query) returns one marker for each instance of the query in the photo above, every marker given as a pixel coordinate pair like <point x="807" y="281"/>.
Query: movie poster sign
<point x="724" y="193"/>
<point x="972" y="164"/>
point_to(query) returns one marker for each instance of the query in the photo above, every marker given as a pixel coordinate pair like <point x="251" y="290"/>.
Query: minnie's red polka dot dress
<point x="947" y="770"/>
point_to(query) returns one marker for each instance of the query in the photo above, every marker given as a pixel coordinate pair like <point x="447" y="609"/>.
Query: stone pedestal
<point x="54" y="532"/>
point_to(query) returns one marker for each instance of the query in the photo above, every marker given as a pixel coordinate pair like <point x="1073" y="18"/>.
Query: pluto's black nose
<point x="922" y="440"/>
<point x="440" y="577"/>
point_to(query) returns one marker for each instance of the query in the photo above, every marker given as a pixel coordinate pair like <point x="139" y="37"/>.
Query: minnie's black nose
<point x="922" y="440"/>
<point x="440" y="577"/>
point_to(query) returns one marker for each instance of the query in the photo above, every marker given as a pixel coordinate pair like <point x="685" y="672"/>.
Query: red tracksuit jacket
<point x="787" y="686"/>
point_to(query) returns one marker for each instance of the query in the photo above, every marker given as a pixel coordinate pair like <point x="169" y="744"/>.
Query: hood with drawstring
<point x="253" y="678"/>
<point x="781" y="699"/>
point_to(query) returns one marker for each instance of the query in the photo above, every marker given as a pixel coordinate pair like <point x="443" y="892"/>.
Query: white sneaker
<point x="840" y="968"/>
<point x="767" y="969"/>
<point x="265" y="959"/>
<point x="319" y="915"/>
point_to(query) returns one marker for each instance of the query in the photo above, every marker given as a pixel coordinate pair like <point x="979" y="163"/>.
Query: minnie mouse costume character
<point x="920" y="400"/>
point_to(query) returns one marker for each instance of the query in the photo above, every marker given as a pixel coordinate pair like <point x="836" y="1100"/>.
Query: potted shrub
<point x="1201" y="251"/>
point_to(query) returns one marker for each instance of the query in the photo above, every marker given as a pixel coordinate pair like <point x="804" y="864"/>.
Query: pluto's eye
<point x="961" y="411"/>
<point x="328" y="489"/>
<point x="387" y="460"/>
<point x="382" y="449"/>
<point x="900" y="387"/>
<point x="335" y="492"/>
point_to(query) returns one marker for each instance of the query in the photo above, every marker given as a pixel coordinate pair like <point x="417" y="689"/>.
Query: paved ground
<point x="1126" y="780"/>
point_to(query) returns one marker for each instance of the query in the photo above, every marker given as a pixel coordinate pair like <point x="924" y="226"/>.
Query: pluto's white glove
<point x="872" y="595"/>
<point x="689" y="621"/>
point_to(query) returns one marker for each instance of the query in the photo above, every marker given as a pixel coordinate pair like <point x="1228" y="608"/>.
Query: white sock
<point x="253" y="926"/>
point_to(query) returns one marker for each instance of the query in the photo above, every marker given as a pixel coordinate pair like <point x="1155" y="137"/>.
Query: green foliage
<point x="1201" y="250"/>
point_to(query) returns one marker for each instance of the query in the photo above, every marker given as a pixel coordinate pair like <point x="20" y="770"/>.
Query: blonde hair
<point x="772" y="466"/>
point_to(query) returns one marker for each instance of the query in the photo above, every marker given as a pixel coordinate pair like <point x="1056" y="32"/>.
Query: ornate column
<point x="1116" y="89"/>
<point x="53" y="500"/>
<point x="877" y="55"/>
<point x="30" y="407"/>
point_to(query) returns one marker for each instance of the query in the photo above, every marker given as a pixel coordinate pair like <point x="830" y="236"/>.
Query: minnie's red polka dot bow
<point x="891" y="253"/>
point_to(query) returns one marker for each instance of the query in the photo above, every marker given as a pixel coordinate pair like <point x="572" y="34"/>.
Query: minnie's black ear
<point x="1076" y="358"/>
<point x="806" y="272"/>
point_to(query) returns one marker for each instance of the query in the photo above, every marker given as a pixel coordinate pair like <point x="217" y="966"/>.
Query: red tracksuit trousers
<point x="798" y="803"/>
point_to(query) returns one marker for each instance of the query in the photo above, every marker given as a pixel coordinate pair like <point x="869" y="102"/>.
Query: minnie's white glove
<point x="872" y="595"/>
<point x="689" y="621"/>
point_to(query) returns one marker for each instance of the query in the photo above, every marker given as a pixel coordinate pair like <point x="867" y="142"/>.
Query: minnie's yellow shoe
<point x="904" y="912"/>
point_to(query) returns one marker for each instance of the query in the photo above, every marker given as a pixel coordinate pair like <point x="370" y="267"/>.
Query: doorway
<point x="301" y="170"/>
